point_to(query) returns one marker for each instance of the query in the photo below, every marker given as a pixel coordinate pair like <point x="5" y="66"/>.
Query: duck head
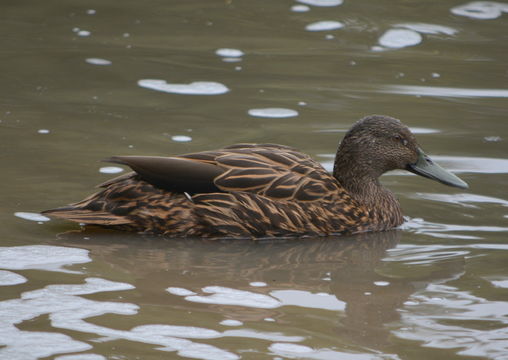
<point x="377" y="144"/>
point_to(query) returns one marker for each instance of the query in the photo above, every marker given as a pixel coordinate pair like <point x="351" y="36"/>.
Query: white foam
<point x="300" y="8"/>
<point x="181" y="138"/>
<point x="9" y="278"/>
<point x="399" y="38"/>
<point x="188" y="332"/>
<point x="444" y="91"/>
<point x="180" y="291"/>
<point x="228" y="296"/>
<point x="98" y="61"/>
<point x="43" y="131"/>
<point x="419" y="130"/>
<point x="257" y="283"/>
<point x="84" y="33"/>
<point x="290" y="348"/>
<point x="31" y="216"/>
<point x="424" y="28"/>
<point x="81" y="357"/>
<point x="324" y="26"/>
<point x="110" y="170"/>
<point x="309" y="300"/>
<point x="481" y="10"/>
<point x="231" y="322"/>
<point x="194" y="88"/>
<point x="321" y="2"/>
<point x="381" y="283"/>
<point x="231" y="53"/>
<point x="43" y="257"/>
<point x="500" y="283"/>
<point x="273" y="113"/>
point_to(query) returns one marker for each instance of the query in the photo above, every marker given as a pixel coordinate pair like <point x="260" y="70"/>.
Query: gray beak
<point x="425" y="167"/>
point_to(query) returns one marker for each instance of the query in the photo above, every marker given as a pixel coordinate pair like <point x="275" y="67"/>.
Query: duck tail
<point x="80" y="215"/>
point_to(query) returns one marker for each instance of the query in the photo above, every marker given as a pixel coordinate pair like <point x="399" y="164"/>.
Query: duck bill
<point x="425" y="167"/>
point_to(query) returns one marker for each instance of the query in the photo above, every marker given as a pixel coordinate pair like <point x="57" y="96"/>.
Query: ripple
<point x="43" y="257"/>
<point x="98" y="61"/>
<point x="273" y="113"/>
<point x="321" y="2"/>
<point x="461" y="199"/>
<point x="8" y="278"/>
<point x="228" y="296"/>
<point x="231" y="53"/>
<point x="443" y="91"/>
<point x="324" y="26"/>
<point x="194" y="88"/>
<point x="31" y="216"/>
<point x="419" y="130"/>
<point x="188" y="332"/>
<point x="440" y="315"/>
<point x="440" y="230"/>
<point x="481" y="10"/>
<point x="399" y="38"/>
<point x="110" y="170"/>
<point x="424" y="28"/>
<point x="456" y="164"/>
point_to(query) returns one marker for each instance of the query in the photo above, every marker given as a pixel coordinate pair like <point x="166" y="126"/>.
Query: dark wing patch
<point x="173" y="173"/>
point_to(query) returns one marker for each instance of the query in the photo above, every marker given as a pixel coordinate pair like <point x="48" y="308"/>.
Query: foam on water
<point x="257" y="283"/>
<point x="10" y="278"/>
<point x="321" y="2"/>
<point x="81" y="357"/>
<point x="43" y="131"/>
<point x="31" y="216"/>
<point x="231" y="322"/>
<point x="308" y="300"/>
<point x="399" y="38"/>
<point x="84" y="33"/>
<point x="43" y="257"/>
<point x="180" y="291"/>
<point x="228" y="296"/>
<point x="324" y="26"/>
<point x="229" y="53"/>
<point x="194" y="88"/>
<point x="273" y="113"/>
<point x="481" y="10"/>
<point x="110" y="170"/>
<point x="181" y="138"/>
<point x="300" y="8"/>
<point x="98" y="61"/>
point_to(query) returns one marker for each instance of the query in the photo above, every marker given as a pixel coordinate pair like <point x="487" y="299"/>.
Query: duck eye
<point x="401" y="139"/>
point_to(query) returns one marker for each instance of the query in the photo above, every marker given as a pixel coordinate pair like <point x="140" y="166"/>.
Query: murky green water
<point x="78" y="86"/>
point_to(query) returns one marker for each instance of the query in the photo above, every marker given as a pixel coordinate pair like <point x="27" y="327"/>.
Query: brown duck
<point x="262" y="190"/>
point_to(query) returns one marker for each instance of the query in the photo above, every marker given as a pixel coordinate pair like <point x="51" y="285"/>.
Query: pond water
<point x="84" y="80"/>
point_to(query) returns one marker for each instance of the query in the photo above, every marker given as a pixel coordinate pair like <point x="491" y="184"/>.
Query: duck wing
<point x="275" y="171"/>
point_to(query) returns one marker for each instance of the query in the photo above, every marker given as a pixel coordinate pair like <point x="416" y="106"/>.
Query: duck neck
<point x="360" y="177"/>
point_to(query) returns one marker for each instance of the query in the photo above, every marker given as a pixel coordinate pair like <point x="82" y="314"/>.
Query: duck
<point x="262" y="190"/>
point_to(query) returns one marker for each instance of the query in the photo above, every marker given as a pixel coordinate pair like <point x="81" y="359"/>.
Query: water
<point x="83" y="81"/>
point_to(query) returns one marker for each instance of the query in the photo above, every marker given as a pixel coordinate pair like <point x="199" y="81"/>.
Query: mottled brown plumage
<point x="261" y="190"/>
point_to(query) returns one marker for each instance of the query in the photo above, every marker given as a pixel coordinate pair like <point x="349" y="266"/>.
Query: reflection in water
<point x="321" y="274"/>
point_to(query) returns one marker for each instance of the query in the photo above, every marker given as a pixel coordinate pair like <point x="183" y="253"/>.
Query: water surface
<point x="86" y="80"/>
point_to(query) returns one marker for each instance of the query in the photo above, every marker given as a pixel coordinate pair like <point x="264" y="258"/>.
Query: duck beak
<point x="425" y="167"/>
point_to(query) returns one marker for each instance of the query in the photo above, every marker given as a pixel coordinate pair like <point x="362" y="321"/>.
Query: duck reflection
<point x="346" y="267"/>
